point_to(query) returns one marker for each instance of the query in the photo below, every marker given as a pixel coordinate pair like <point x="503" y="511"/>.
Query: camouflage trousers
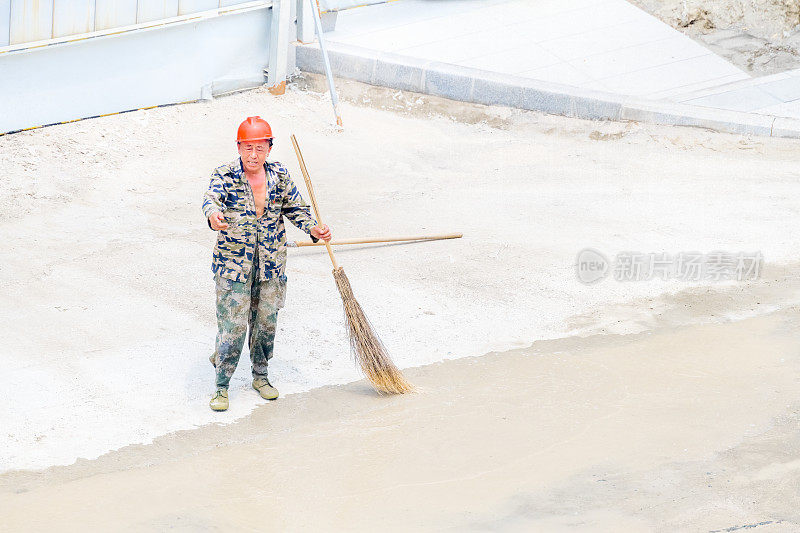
<point x="241" y="306"/>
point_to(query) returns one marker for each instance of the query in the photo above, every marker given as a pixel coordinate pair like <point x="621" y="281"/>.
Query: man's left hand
<point x="322" y="232"/>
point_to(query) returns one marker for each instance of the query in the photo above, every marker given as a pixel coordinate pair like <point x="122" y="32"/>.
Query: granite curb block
<point x="490" y="88"/>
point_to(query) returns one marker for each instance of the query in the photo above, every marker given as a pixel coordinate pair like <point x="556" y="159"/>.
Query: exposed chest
<point x="250" y="200"/>
<point x="260" y="195"/>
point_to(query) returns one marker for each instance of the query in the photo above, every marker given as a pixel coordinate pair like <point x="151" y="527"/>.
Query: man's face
<point x="253" y="154"/>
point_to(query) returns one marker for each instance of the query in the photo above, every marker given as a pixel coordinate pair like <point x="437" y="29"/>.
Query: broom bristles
<point x="366" y="346"/>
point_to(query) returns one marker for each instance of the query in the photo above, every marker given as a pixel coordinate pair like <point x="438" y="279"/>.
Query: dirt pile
<point x="768" y="19"/>
<point x="759" y="36"/>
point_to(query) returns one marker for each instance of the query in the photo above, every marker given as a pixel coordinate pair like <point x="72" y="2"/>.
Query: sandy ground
<point x="107" y="321"/>
<point x="676" y="429"/>
<point x="758" y="36"/>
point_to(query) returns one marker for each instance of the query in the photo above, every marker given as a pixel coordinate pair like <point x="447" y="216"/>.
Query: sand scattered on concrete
<point x="689" y="428"/>
<point x="108" y="294"/>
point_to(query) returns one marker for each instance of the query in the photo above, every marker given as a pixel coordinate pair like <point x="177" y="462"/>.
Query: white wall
<point x="36" y="20"/>
<point x="5" y="20"/>
<point x="31" y="20"/>
<point x="70" y="18"/>
<point x="167" y="64"/>
<point x="337" y="5"/>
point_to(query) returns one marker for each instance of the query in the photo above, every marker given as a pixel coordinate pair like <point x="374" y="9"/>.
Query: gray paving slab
<point x="492" y="88"/>
<point x="785" y="90"/>
<point x="596" y="59"/>
<point x="590" y="44"/>
<point x="498" y="90"/>
<point x="448" y="81"/>
<point x="777" y="94"/>
<point x="404" y="73"/>
<point x="743" y="99"/>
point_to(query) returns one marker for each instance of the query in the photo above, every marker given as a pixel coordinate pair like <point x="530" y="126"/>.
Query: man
<point x="245" y="203"/>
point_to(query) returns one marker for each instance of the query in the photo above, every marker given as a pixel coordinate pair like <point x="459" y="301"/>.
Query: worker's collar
<point x="240" y="170"/>
<point x="270" y="178"/>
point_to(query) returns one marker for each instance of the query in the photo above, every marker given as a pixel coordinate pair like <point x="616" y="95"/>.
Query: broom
<point x="376" y="240"/>
<point x="367" y="348"/>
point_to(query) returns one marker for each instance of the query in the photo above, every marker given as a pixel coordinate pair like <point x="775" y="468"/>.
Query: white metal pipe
<point x="328" y="73"/>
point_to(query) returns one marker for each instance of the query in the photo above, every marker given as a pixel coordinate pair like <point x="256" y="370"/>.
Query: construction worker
<point x="245" y="203"/>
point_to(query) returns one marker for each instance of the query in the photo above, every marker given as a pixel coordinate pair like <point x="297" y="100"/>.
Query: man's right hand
<point x="217" y="221"/>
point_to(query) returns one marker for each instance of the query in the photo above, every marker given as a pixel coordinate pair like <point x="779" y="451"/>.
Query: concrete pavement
<point x="604" y="45"/>
<point x="596" y="59"/>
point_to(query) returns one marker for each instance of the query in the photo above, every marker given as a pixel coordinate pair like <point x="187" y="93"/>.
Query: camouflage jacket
<point x="230" y="194"/>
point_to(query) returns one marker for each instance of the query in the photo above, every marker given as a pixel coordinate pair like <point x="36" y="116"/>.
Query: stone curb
<point x="490" y="88"/>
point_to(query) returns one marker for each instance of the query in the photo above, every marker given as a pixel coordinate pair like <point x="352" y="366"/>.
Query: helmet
<point x="254" y="129"/>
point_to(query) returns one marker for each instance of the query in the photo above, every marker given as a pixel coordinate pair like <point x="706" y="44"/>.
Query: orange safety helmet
<point x="254" y="129"/>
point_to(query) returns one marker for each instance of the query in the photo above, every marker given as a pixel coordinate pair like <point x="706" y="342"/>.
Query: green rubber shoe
<point x="267" y="391"/>
<point x="219" y="402"/>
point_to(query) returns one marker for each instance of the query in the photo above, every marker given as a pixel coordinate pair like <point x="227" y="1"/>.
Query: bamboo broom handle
<point x="310" y="188"/>
<point x="384" y="239"/>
